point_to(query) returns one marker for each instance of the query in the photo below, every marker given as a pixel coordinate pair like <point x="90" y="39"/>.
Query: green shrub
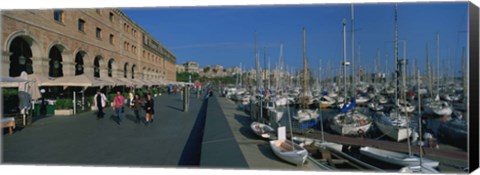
<point x="9" y="91"/>
<point x="110" y="97"/>
<point x="64" y="103"/>
<point x="89" y="101"/>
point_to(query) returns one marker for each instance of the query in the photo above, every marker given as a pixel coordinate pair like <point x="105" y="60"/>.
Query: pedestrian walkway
<point x="83" y="140"/>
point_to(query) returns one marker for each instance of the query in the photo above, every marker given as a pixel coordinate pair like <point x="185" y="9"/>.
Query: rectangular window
<point x="111" y="38"/>
<point x="99" y="33"/>
<point x="58" y="15"/>
<point x="111" y="16"/>
<point x="81" y="25"/>
<point x="98" y="11"/>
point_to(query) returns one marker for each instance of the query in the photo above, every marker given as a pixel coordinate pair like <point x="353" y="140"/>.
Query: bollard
<point x="185" y="99"/>
<point x="198" y="92"/>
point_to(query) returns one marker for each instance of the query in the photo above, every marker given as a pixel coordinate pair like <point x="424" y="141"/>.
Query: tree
<point x="206" y="69"/>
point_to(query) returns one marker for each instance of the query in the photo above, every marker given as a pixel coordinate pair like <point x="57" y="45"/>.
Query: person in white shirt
<point x="100" y="101"/>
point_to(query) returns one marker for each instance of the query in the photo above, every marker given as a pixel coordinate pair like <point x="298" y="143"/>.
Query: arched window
<point x="55" y="63"/>
<point x="20" y="60"/>
<point x="79" y="63"/>
<point x="133" y="71"/>
<point x="110" y="67"/>
<point x="125" y="69"/>
<point x="96" y="66"/>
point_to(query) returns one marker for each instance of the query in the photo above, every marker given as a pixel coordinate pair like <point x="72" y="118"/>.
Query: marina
<point x="326" y="89"/>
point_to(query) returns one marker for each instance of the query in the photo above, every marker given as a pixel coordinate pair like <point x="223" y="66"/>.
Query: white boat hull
<point x="262" y="130"/>
<point x="305" y="115"/>
<point x="396" y="133"/>
<point x="350" y="124"/>
<point x="418" y="169"/>
<point x="284" y="150"/>
<point x="350" y="130"/>
<point x="396" y="157"/>
<point x="276" y="114"/>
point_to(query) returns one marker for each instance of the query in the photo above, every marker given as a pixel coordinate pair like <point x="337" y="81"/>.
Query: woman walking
<point x="118" y="100"/>
<point x="137" y="104"/>
<point x="149" y="112"/>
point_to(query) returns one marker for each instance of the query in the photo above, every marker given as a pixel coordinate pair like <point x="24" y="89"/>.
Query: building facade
<point x="191" y="67"/>
<point x="94" y="42"/>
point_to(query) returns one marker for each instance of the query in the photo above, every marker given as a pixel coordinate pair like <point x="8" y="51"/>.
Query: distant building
<point x="180" y="68"/>
<point x="192" y="67"/>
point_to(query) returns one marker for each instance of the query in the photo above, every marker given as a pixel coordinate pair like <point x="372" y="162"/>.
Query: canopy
<point x="137" y="82"/>
<point x="121" y="81"/>
<point x="78" y="81"/>
<point x="11" y="82"/>
<point x="149" y="82"/>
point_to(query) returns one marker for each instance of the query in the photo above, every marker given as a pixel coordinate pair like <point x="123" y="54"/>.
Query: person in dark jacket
<point x="137" y="105"/>
<point x="149" y="111"/>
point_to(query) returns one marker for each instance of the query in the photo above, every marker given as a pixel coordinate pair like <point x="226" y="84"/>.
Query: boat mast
<point x="305" y="72"/>
<point x="465" y="80"/>
<point x="353" y="52"/>
<point x="264" y="78"/>
<point x="396" y="61"/>
<point x="269" y="72"/>
<point x="429" y="73"/>
<point x="419" y="118"/>
<point x="376" y="65"/>
<point x="344" y="61"/>
<point x="438" y="73"/>
<point x="257" y="63"/>
<point x="241" y="84"/>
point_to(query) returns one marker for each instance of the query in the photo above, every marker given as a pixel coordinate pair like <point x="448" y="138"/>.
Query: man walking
<point x="118" y="104"/>
<point x="100" y="101"/>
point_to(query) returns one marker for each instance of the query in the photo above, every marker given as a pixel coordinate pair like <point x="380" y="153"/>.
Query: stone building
<point x="180" y="68"/>
<point x="100" y="43"/>
<point x="191" y="67"/>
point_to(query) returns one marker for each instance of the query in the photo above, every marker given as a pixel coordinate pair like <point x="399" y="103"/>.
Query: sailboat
<point x="437" y="107"/>
<point x="306" y="98"/>
<point x="349" y="121"/>
<point x="409" y="162"/>
<point x="259" y="128"/>
<point x="287" y="149"/>
<point x="395" y="124"/>
<point x="421" y="167"/>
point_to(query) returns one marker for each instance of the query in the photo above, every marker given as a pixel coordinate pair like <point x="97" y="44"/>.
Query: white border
<point x="44" y="4"/>
<point x="41" y="4"/>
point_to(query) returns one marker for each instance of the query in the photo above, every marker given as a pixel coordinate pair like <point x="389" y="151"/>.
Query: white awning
<point x="137" y="82"/>
<point x="78" y="81"/>
<point x="11" y="82"/>
<point x="121" y="81"/>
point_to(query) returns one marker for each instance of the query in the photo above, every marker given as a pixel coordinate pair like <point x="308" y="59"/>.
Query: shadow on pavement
<point x="267" y="151"/>
<point x="173" y="107"/>
<point x="191" y="153"/>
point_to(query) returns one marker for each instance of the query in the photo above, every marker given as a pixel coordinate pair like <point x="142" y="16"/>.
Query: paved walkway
<point x="83" y="140"/>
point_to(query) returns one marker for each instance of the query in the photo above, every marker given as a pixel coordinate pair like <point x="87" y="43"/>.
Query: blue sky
<point x="225" y="35"/>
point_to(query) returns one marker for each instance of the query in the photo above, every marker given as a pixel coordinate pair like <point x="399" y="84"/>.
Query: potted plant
<point x="63" y="107"/>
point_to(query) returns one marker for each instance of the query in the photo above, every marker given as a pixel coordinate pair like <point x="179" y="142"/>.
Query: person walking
<point x="137" y="104"/>
<point x="100" y="101"/>
<point x="149" y="111"/>
<point x="118" y="104"/>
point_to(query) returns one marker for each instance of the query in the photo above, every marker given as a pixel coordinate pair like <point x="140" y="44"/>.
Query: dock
<point x="392" y="146"/>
